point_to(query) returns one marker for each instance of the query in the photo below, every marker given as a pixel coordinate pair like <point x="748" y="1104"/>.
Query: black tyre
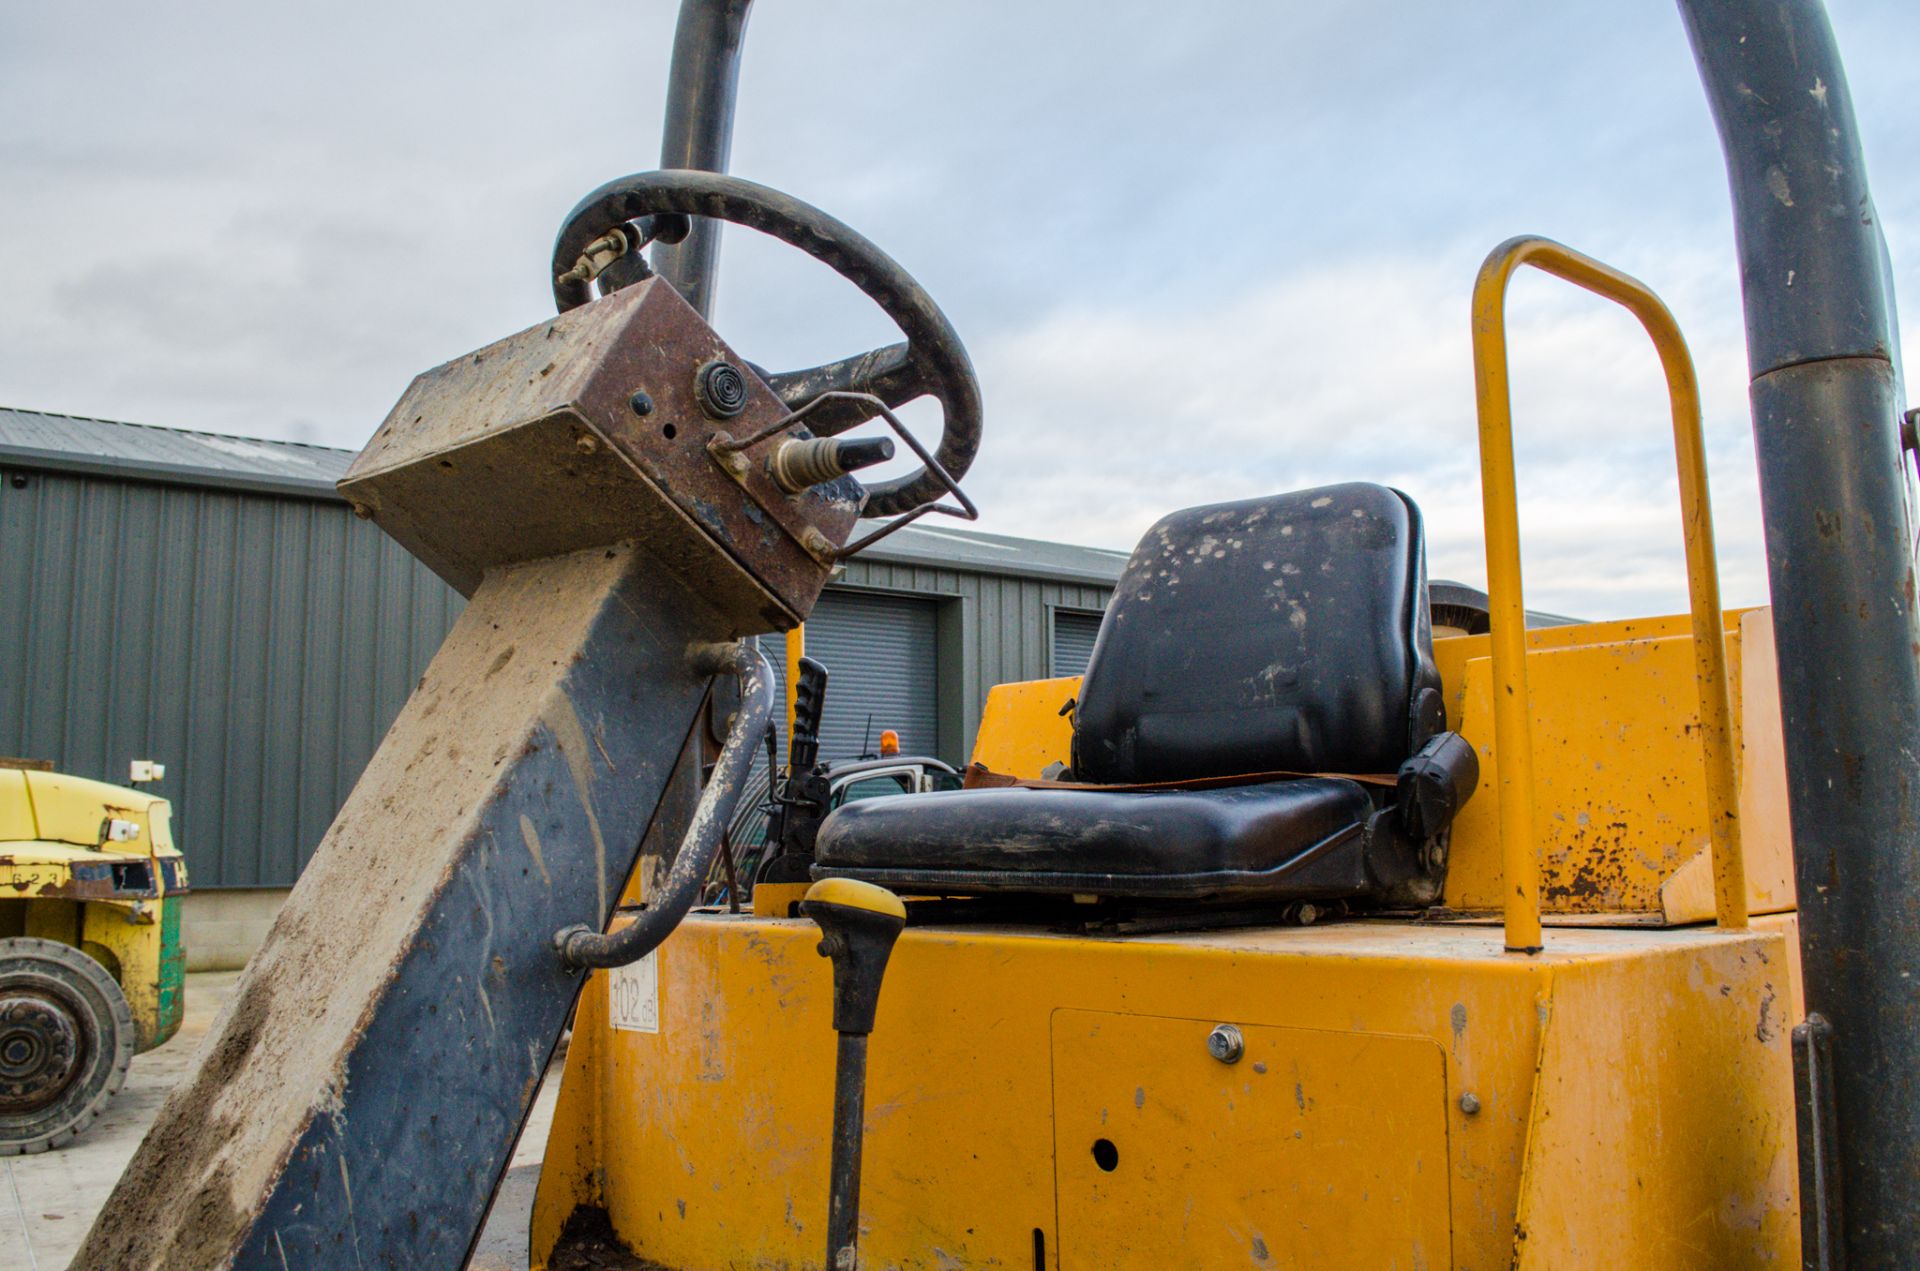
<point x="66" y="1039"/>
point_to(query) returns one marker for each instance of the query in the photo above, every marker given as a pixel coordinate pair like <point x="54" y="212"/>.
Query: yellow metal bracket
<point x="1508" y="638"/>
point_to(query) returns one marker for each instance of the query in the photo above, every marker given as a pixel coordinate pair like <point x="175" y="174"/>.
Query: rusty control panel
<point x="609" y="422"/>
<point x="622" y="497"/>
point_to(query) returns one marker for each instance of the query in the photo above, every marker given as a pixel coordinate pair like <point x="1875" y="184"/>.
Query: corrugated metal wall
<point x="994" y="628"/>
<point x="257" y="646"/>
<point x="260" y="645"/>
<point x="881" y="652"/>
<point x="1074" y="632"/>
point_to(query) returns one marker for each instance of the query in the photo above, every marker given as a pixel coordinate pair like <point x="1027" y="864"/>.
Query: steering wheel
<point x="932" y="361"/>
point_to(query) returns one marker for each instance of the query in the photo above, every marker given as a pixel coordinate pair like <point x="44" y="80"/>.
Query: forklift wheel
<point x="66" y="1039"/>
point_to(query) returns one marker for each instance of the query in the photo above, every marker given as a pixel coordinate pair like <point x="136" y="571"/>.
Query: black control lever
<point x="858" y="924"/>
<point x="799" y="802"/>
<point x="810" y="701"/>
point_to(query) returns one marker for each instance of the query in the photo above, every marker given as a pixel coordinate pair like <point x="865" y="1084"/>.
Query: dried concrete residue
<point x="531" y="837"/>
<point x="564" y="723"/>
<point x="277" y="1055"/>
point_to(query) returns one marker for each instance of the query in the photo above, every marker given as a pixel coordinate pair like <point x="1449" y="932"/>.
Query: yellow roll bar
<point x="1512" y="716"/>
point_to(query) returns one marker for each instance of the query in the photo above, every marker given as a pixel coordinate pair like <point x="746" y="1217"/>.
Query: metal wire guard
<point x="933" y="467"/>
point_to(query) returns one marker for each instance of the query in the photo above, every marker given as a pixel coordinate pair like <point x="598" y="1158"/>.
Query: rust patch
<point x="1765" y="1029"/>
<point x="132" y="879"/>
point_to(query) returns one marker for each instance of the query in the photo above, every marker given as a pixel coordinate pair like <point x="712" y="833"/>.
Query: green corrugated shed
<point x="211" y="603"/>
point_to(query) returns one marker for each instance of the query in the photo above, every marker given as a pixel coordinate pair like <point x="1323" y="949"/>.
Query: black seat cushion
<point x="1235" y="840"/>
<point x="1287" y="633"/>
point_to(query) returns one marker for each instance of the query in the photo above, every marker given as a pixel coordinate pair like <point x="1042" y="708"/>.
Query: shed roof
<point x="145" y="452"/>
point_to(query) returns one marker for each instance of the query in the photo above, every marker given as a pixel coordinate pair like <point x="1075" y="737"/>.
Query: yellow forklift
<point x="1293" y="934"/>
<point x="92" y="969"/>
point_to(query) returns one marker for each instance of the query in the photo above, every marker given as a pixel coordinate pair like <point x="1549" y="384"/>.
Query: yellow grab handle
<point x="1512" y="717"/>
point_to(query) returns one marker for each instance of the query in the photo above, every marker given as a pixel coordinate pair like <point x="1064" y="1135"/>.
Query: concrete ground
<point x="48" y="1201"/>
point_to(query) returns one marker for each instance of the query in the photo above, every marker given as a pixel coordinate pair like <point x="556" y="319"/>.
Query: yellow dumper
<point x="1295" y="934"/>
<point x="91" y="962"/>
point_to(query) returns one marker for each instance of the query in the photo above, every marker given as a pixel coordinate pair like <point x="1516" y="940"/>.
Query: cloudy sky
<point x="1195" y="258"/>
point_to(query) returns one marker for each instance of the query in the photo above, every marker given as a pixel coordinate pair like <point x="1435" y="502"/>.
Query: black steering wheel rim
<point x="932" y="363"/>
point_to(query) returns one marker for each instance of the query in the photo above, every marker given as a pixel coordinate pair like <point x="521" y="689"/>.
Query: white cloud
<point x="1102" y="420"/>
<point x="1197" y="257"/>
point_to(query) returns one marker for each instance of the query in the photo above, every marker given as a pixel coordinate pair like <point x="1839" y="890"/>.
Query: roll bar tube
<point x="702" y="87"/>
<point x="1512" y="709"/>
<point x="1825" y="402"/>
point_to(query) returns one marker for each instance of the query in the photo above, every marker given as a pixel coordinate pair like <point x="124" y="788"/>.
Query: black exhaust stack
<point x="1839" y="537"/>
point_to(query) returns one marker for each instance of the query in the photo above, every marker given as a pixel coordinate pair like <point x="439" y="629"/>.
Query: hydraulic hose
<point x="582" y="946"/>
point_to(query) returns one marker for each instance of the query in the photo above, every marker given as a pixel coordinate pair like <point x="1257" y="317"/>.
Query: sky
<point x="1197" y="252"/>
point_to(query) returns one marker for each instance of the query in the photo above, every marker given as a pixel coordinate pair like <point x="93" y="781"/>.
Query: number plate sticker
<point x="633" y="996"/>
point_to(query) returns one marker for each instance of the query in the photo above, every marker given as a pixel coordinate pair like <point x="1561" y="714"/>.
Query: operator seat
<point x="1261" y="719"/>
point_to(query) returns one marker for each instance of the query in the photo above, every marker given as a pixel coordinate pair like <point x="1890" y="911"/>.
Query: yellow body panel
<point x="143" y="948"/>
<point x="705" y="1140"/>
<point x="16" y="806"/>
<point x="1618" y="792"/>
<point x="1022" y="726"/>
<point x="1618" y="1171"/>
<point x="1619" y="795"/>
<point x="1452" y="653"/>
<point x="70" y="809"/>
<point x="1299" y="1119"/>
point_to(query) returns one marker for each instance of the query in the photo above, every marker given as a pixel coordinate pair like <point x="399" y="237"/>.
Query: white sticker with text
<point x="633" y="996"/>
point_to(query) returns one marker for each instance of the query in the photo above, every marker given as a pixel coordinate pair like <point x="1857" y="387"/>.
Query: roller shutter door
<point x="880" y="654"/>
<point x="1073" y="635"/>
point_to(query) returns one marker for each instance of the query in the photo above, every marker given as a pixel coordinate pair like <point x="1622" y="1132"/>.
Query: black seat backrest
<point x="1287" y="633"/>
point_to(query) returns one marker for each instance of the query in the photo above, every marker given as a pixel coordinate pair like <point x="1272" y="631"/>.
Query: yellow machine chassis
<point x="1552" y="1070"/>
<point x="1410" y="1096"/>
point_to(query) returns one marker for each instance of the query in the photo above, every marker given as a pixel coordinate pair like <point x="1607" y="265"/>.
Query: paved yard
<point x="48" y="1201"/>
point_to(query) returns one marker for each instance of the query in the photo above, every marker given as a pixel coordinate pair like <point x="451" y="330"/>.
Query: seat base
<point x="1303" y="839"/>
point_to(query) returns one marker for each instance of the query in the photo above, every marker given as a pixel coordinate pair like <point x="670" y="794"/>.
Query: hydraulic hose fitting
<point x="798" y="466"/>
<point x="597" y="255"/>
